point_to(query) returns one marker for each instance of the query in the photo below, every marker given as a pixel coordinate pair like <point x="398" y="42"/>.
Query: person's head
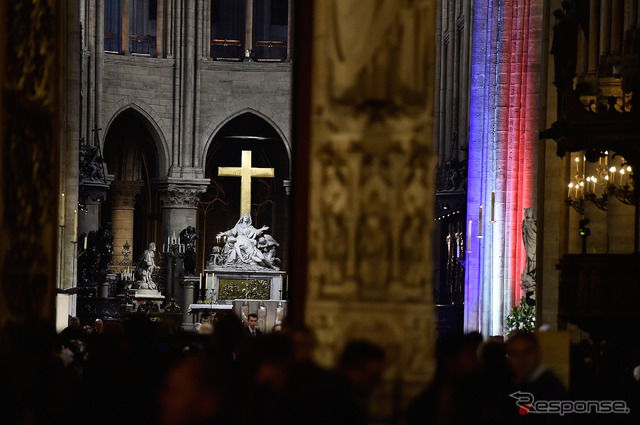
<point x="253" y="320"/>
<point x="152" y="246"/>
<point x="362" y="363"/>
<point x="98" y="326"/>
<point x="523" y="354"/>
<point x="75" y="322"/>
<point x="86" y="329"/>
<point x="276" y="328"/>
<point x="246" y="218"/>
<point x="456" y="355"/>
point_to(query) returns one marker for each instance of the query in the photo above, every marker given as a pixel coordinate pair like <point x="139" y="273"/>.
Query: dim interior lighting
<point x="571" y="184"/>
<point x="581" y="183"/>
<point x="629" y="168"/>
<point x="606" y="177"/>
<point x="612" y="169"/>
<point x="577" y="159"/>
<point x="622" y="171"/>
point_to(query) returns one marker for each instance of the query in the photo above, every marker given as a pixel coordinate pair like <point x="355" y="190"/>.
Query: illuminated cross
<point x="245" y="172"/>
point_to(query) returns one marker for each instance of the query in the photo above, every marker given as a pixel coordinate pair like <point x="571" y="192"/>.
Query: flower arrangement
<point x="521" y="318"/>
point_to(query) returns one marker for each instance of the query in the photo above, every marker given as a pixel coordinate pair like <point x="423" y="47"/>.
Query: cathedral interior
<point x="320" y="211"/>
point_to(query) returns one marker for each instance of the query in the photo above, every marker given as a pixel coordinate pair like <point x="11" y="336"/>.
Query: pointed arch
<point x="213" y="129"/>
<point x="152" y="122"/>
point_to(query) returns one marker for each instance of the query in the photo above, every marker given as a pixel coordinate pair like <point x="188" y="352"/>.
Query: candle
<point x="570" y="187"/>
<point x="280" y="283"/>
<point x="61" y="210"/>
<point x="85" y="242"/>
<point x="469" y="236"/>
<point x="480" y="222"/>
<point x="164" y="247"/>
<point x="621" y="174"/>
<point x="606" y="158"/>
<point x="584" y="165"/>
<point x="577" y="165"/>
<point x="457" y="250"/>
<point x="75" y="226"/>
<point x="493" y="206"/>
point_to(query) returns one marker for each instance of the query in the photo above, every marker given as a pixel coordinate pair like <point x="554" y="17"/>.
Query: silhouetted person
<point x="530" y="376"/>
<point x="71" y="332"/>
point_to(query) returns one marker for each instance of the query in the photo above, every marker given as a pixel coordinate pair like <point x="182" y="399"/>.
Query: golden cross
<point x="245" y="172"/>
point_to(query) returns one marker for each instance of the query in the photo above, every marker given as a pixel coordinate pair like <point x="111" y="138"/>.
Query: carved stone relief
<point x="371" y="183"/>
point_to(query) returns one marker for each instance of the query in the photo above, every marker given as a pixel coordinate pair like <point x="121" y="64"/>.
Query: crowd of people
<point x="136" y="372"/>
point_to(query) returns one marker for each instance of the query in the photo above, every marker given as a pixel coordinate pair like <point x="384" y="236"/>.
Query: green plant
<point x="521" y="318"/>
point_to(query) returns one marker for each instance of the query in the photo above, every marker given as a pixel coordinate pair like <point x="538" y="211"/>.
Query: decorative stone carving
<point x="123" y="193"/>
<point x="30" y="124"/>
<point x="452" y="176"/>
<point x="180" y="197"/>
<point x="92" y="182"/>
<point x="371" y="184"/>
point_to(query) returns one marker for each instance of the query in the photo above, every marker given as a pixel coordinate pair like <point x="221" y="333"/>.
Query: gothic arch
<point x="213" y="129"/>
<point x="152" y="122"/>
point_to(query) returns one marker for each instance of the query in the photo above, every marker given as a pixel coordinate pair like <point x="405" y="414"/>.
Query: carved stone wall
<point x="30" y="60"/>
<point x="371" y="185"/>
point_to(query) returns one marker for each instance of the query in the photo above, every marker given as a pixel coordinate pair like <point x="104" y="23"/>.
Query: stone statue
<point x="188" y="237"/>
<point x="91" y="168"/>
<point x="104" y="240"/>
<point x="242" y="249"/>
<point x="529" y="236"/>
<point x="268" y="245"/>
<point x="145" y="268"/>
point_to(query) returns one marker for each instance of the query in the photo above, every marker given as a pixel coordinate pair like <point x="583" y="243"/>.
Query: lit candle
<point x="621" y="174"/>
<point x="584" y="165"/>
<point x="61" y="210"/>
<point x="480" y="222"/>
<point x="577" y="165"/>
<point x="606" y="158"/>
<point x="85" y="242"/>
<point x="493" y="206"/>
<point x="469" y="236"/>
<point x="75" y="226"/>
<point x="570" y="187"/>
<point x="594" y="181"/>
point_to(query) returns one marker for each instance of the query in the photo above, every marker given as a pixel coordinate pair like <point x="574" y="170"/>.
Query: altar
<point x="243" y="271"/>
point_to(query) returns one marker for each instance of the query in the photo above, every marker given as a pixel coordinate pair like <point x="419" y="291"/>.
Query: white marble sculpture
<point x="529" y="236"/>
<point x="248" y="248"/>
<point x="145" y="268"/>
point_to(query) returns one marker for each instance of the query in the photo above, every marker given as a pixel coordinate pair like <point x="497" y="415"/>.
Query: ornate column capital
<point x="179" y="193"/>
<point x="123" y="193"/>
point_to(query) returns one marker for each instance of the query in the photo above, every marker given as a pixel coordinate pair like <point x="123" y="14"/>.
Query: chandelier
<point x="594" y="182"/>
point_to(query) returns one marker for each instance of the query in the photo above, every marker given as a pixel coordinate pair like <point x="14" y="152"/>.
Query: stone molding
<point x="123" y="193"/>
<point x="181" y="194"/>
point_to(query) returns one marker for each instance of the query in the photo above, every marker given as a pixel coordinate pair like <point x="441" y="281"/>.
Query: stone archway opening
<point x="219" y="208"/>
<point x="132" y="206"/>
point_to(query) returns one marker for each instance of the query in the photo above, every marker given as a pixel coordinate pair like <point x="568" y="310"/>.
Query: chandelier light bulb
<point x="612" y="169"/>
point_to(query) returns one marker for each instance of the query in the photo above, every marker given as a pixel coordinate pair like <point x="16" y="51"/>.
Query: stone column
<point x="179" y="203"/>
<point x="370" y="186"/>
<point x="125" y="26"/>
<point x="88" y="220"/>
<point x="188" y="284"/>
<point x="123" y="196"/>
<point x="594" y="13"/>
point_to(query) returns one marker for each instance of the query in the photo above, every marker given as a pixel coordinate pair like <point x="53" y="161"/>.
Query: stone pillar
<point x="605" y="27"/>
<point x="248" y="37"/>
<point x="89" y="219"/>
<point x="123" y="195"/>
<point x="370" y="186"/>
<point x="188" y="285"/>
<point x="179" y="203"/>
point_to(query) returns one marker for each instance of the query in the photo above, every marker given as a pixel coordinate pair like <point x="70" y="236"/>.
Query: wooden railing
<point x="270" y="51"/>
<point x="227" y="49"/>
<point x="142" y="44"/>
<point x="111" y="42"/>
